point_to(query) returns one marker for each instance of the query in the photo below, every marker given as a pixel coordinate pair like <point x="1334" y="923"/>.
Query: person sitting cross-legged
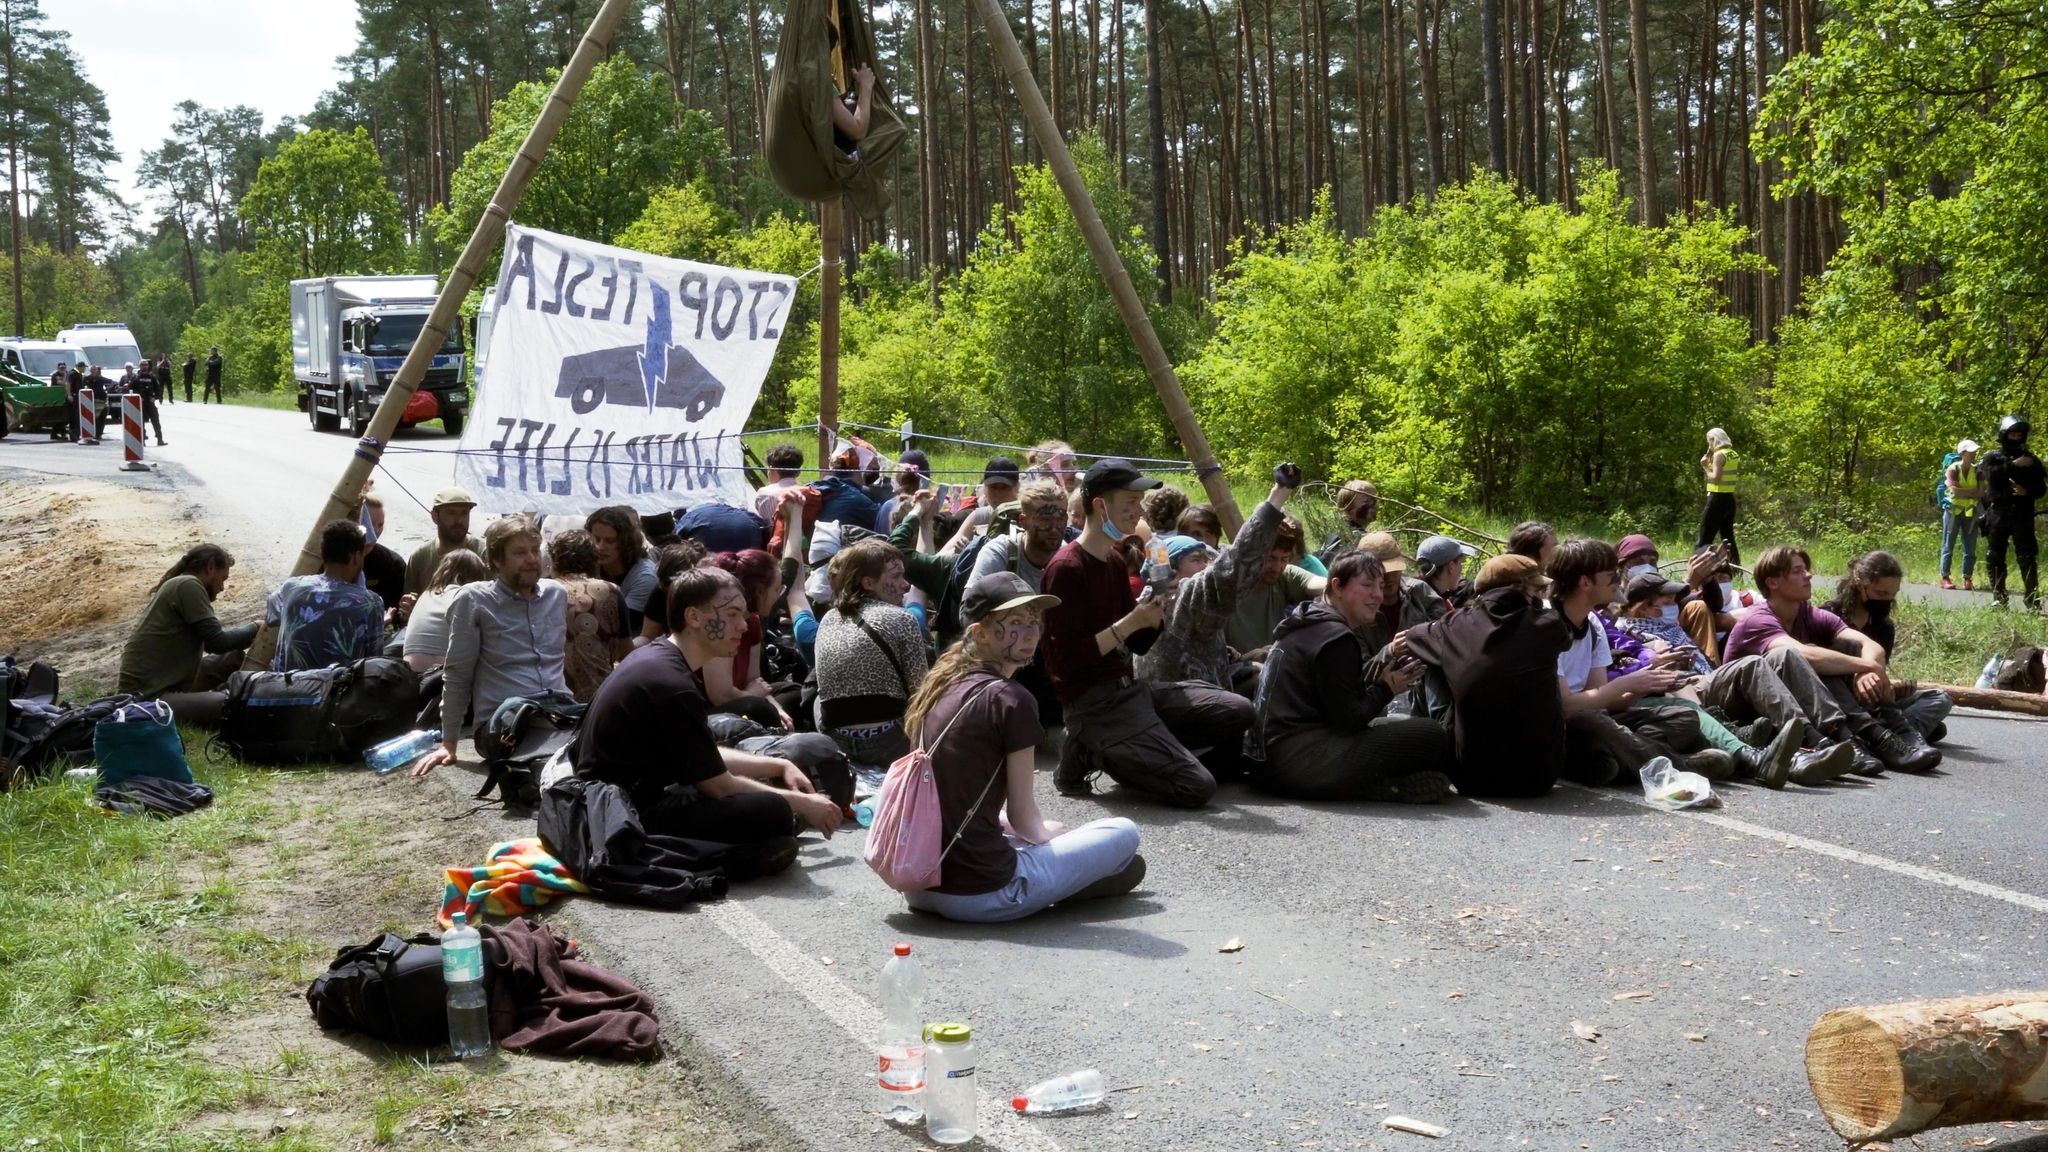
<point x="1321" y="693"/>
<point x="327" y="618"/>
<point x="980" y="728"/>
<point x="507" y="639"/>
<point x="1864" y="601"/>
<point x="648" y="732"/>
<point x="1145" y="736"/>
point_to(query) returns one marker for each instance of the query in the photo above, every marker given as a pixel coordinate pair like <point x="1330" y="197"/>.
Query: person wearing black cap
<point x="1139" y="733"/>
<point x="980" y="726"/>
<point x="998" y="487"/>
<point x="2013" y="480"/>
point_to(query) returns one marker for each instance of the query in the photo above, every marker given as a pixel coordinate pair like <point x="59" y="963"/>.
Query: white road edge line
<point x="1824" y="848"/>
<point x="855" y="1013"/>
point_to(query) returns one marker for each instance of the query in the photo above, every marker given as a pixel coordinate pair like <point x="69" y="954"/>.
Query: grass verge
<point x="153" y="973"/>
<point x="101" y="992"/>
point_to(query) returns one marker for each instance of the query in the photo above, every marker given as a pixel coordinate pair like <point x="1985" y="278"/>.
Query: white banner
<point x="616" y="377"/>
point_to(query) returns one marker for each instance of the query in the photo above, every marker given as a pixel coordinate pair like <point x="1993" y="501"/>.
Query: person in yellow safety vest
<point x="1718" y="518"/>
<point x="1959" y="518"/>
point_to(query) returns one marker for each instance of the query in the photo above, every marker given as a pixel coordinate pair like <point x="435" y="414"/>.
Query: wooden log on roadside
<point x="1891" y="1070"/>
<point x="1996" y="699"/>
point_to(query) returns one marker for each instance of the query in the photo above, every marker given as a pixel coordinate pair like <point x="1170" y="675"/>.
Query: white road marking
<point x="855" y="1013"/>
<point x="1852" y="855"/>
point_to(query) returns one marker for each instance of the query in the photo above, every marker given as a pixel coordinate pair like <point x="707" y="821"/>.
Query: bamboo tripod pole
<point x="1109" y="263"/>
<point x="831" y="222"/>
<point x="347" y="495"/>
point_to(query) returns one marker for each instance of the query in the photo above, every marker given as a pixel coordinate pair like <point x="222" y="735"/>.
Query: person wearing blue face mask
<point x="1144" y="736"/>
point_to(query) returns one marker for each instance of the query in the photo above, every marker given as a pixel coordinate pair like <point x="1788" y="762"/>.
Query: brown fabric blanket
<point x="543" y="999"/>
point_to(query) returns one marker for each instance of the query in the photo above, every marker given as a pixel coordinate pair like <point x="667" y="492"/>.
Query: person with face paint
<point x="648" y="733"/>
<point x="1864" y="601"/>
<point x="1144" y="736"/>
<point x="1322" y="695"/>
<point x="2013" y="480"/>
<point x="981" y="729"/>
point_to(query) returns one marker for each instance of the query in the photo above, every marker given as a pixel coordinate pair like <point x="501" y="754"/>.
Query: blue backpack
<point x="1941" y="481"/>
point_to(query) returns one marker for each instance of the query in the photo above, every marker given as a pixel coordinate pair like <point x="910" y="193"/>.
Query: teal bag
<point x="140" y="740"/>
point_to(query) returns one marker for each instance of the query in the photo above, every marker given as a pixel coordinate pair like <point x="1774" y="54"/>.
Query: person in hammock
<point x="850" y="110"/>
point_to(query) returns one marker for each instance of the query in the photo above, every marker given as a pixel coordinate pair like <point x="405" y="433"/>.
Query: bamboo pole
<point x="1109" y="263"/>
<point x="347" y="495"/>
<point x="830" y="222"/>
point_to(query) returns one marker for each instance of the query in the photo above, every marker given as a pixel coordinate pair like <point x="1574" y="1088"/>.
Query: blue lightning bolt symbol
<point x="654" y="357"/>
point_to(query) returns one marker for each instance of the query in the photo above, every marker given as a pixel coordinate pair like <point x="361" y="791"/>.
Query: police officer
<point x="2013" y="481"/>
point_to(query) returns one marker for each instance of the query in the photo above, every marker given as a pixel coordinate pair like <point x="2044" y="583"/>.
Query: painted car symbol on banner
<point x="658" y="374"/>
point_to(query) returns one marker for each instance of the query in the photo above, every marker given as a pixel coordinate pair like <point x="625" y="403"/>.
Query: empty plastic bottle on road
<point x="949" y="1098"/>
<point x="399" y="751"/>
<point x="462" y="970"/>
<point x="902" y="1076"/>
<point x="1988" y="678"/>
<point x="1069" y="1093"/>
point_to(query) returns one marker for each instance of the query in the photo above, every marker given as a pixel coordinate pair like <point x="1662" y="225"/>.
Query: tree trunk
<point x="1489" y="68"/>
<point x="1432" y="101"/>
<point x="757" y="84"/>
<point x="13" y="172"/>
<point x="1880" y="1073"/>
<point x="1761" y="221"/>
<point x="1259" y="154"/>
<point x="1162" y="243"/>
<point x="1560" y="80"/>
<point x="1649" y="204"/>
<point x="1059" y="73"/>
<point x="1610" y="113"/>
<point x="932" y="240"/>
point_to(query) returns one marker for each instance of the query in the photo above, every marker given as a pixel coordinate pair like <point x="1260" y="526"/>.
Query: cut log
<point x="1892" y="1070"/>
<point x="1996" y="699"/>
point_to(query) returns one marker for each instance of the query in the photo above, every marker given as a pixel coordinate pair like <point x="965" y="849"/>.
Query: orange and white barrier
<point x="88" y="417"/>
<point x="131" y="433"/>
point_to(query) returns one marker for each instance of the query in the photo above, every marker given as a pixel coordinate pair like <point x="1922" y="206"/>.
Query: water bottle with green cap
<point x="949" y="1096"/>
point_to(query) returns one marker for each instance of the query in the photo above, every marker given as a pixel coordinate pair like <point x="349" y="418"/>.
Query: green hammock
<point x="807" y="158"/>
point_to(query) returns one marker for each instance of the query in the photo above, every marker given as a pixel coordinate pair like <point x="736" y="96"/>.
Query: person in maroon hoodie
<point x="1147" y="737"/>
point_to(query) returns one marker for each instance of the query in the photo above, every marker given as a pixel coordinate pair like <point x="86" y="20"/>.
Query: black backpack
<point x="46" y="738"/>
<point x="389" y="989"/>
<point x="332" y="713"/>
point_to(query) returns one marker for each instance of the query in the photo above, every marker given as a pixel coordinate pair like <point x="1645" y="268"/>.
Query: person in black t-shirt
<point x="647" y="733"/>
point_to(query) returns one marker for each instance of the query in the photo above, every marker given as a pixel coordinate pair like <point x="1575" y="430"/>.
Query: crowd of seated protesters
<point x="1096" y="603"/>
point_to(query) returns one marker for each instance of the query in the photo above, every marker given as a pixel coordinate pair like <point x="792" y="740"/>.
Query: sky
<point x="276" y="56"/>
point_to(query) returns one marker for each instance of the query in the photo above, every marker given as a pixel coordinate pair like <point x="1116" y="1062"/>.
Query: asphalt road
<point x="1421" y="962"/>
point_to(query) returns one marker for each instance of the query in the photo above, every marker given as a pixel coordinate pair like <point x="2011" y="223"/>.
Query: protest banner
<point x="617" y="377"/>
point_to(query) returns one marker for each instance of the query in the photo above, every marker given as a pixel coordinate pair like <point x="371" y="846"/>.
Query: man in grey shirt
<point x="1029" y="547"/>
<point x="506" y="637"/>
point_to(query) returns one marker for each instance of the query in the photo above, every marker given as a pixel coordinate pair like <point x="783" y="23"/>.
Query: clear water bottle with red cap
<point x="1070" y="1093"/>
<point x="901" y="1076"/>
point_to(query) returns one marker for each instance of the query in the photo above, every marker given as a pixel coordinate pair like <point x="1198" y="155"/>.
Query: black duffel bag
<point x="332" y="713"/>
<point x="389" y="989"/>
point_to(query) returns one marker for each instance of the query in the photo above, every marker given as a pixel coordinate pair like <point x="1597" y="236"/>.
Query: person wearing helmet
<point x="2013" y="480"/>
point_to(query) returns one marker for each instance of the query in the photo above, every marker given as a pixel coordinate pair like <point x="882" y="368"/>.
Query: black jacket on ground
<point x="1499" y="654"/>
<point x="1317" y="677"/>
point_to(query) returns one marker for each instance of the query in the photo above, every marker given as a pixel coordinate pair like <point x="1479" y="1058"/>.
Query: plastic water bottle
<point x="949" y="1099"/>
<point x="864" y="812"/>
<point x="399" y="751"/>
<point x="462" y="969"/>
<point x="1988" y="678"/>
<point x="1069" y="1093"/>
<point x="901" y="1054"/>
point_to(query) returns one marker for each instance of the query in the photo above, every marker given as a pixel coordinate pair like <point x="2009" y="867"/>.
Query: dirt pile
<point x="80" y="560"/>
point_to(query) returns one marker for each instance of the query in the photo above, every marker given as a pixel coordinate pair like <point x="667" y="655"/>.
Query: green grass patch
<point x="104" y="981"/>
<point x="278" y="401"/>
<point x="1948" y="644"/>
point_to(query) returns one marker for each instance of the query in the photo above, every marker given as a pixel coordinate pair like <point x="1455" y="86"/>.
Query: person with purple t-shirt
<point x="1850" y="665"/>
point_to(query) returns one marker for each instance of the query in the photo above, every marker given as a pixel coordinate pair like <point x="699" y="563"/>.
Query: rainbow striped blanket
<point x="518" y="877"/>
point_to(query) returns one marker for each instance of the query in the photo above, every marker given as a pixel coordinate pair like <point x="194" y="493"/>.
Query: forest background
<point x="1506" y="256"/>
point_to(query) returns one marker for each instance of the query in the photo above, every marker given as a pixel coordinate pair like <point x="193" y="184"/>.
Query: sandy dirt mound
<point x="81" y="559"/>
